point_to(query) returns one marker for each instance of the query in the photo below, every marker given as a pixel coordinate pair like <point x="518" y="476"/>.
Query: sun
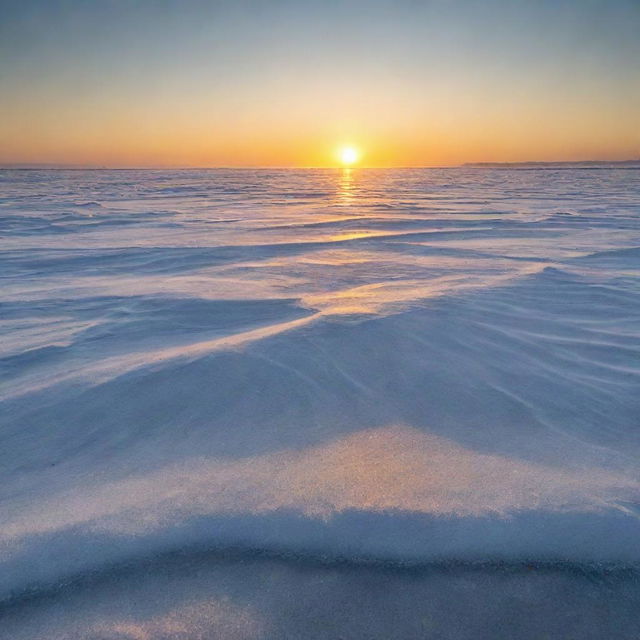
<point x="349" y="156"/>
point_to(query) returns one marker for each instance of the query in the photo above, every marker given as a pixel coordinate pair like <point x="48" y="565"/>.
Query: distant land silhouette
<point x="589" y="164"/>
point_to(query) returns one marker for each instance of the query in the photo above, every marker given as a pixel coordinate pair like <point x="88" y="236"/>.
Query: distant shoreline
<point x="559" y="164"/>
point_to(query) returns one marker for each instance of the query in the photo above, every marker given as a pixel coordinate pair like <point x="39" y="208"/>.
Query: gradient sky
<point x="284" y="83"/>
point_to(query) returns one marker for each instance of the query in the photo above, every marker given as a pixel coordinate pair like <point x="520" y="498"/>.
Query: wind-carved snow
<point x="401" y="365"/>
<point x="387" y="469"/>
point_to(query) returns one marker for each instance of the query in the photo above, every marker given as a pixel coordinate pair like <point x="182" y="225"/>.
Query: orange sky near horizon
<point x="408" y="85"/>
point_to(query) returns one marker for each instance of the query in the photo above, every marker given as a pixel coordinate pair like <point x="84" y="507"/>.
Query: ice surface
<point x="388" y="370"/>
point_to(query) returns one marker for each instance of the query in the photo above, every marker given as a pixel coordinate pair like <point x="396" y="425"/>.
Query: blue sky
<point x="126" y="82"/>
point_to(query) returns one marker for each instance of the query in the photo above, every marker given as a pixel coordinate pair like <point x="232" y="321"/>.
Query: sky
<point x="287" y="83"/>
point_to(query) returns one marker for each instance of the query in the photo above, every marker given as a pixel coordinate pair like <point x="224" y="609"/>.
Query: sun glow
<point x="349" y="156"/>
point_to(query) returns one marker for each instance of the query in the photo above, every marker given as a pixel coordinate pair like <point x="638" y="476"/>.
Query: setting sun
<point x="349" y="155"/>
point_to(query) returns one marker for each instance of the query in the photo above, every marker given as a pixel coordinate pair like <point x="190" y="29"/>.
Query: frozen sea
<point x="320" y="404"/>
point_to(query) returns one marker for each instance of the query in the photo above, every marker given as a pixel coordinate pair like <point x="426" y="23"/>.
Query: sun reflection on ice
<point x="346" y="187"/>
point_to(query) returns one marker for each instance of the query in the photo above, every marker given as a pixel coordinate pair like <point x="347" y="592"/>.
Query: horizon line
<point x="54" y="166"/>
